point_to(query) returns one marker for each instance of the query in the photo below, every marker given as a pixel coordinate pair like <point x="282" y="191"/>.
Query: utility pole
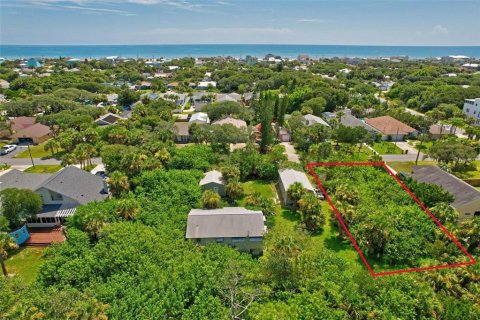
<point x="30" y="152"/>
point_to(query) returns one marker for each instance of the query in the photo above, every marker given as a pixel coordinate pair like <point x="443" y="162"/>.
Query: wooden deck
<point x="44" y="237"/>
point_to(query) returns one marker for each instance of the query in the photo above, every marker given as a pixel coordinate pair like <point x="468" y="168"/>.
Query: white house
<point x="289" y="177"/>
<point x="471" y="108"/>
<point x="204" y="85"/>
<point x="200" y="118"/>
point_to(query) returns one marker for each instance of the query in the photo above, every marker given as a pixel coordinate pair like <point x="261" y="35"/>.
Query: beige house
<point x="214" y="181"/>
<point x="289" y="177"/>
<point x="235" y="226"/>
<point x="467" y="198"/>
<point x="34" y="134"/>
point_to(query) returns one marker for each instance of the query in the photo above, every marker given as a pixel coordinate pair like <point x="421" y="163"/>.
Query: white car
<point x="7" y="148"/>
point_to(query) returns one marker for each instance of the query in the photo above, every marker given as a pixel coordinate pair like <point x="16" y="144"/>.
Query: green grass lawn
<point x="25" y="263"/>
<point x="469" y="172"/>
<point x="44" y="168"/>
<point x="385" y="147"/>
<point x="406" y="166"/>
<point x="39" y="152"/>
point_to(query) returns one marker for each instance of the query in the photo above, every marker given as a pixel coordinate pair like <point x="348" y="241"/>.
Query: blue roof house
<point x="34" y="63"/>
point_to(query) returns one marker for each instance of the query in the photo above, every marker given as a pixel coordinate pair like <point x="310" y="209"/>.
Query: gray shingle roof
<point x="77" y="184"/>
<point x="462" y="191"/>
<point x="351" y="121"/>
<point x="212" y="176"/>
<point x="226" y="222"/>
<point x="290" y="176"/>
<point x="21" y="180"/>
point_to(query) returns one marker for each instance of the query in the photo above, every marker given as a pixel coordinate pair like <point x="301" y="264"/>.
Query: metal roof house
<point x="108" y="119"/>
<point x="467" y="198"/>
<point x="289" y="177"/>
<point x="61" y="192"/>
<point x="235" y="226"/>
<point x="214" y="181"/>
<point x="199" y="117"/>
<point x="310" y="120"/>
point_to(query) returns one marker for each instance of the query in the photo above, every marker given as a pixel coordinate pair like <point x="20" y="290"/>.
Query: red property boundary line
<point x="382" y="164"/>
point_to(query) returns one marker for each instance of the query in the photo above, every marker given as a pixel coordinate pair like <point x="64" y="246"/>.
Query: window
<point x="215" y="189"/>
<point x="238" y="239"/>
<point x="219" y="240"/>
<point x="256" y="239"/>
<point x="56" y="196"/>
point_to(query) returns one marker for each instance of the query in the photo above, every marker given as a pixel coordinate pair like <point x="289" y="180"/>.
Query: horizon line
<point x="233" y="44"/>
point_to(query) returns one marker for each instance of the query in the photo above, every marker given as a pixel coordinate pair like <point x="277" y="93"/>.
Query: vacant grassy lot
<point x="25" y="263"/>
<point x="384" y="147"/>
<point x="406" y="166"/>
<point x="45" y="168"/>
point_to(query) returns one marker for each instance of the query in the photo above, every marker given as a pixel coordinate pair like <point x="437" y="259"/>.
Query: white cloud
<point x="226" y="31"/>
<point x="313" y="20"/>
<point x="439" y="29"/>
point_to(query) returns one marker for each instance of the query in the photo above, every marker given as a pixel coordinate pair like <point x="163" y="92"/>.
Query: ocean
<point x="234" y="50"/>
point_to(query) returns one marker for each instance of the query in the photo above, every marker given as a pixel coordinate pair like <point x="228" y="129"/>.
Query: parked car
<point x="7" y="149"/>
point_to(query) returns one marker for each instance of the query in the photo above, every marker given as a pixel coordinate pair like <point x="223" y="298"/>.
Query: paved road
<point x="291" y="152"/>
<point x="14" y="162"/>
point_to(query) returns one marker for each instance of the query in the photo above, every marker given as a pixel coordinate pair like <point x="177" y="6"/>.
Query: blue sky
<point x="380" y="22"/>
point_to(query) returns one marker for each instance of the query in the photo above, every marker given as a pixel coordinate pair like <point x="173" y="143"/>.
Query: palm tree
<point x="127" y="208"/>
<point x="7" y="243"/>
<point x="118" y="183"/>
<point x="94" y="223"/>
<point x="210" y="200"/>
<point x="311" y="211"/>
<point x="295" y="192"/>
<point x="51" y="145"/>
<point x="234" y="190"/>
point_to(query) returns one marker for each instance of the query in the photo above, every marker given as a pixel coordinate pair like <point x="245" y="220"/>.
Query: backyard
<point x="25" y="263"/>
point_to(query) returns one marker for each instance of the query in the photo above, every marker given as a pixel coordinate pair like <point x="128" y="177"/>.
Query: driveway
<point x="405" y="146"/>
<point x="291" y="152"/>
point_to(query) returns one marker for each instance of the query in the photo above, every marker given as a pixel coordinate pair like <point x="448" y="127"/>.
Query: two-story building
<point x="471" y="108"/>
<point x="61" y="192"/>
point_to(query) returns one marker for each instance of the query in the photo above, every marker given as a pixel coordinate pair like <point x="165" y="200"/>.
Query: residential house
<point x="303" y="58"/>
<point x="467" y="198"/>
<point x="391" y="128"/>
<point x="4" y="84"/>
<point x="34" y="134"/>
<point x="34" y="63"/>
<point x="61" y="192"/>
<point x="284" y="135"/>
<point x="229" y="120"/>
<point x="437" y="131"/>
<point x="310" y="120"/>
<point x="235" y="226"/>
<point x="112" y="98"/>
<point x="204" y="85"/>
<point x="172" y="85"/>
<point x="200" y="118"/>
<point x="348" y="120"/>
<point x="471" y="108"/>
<point x="181" y="132"/>
<point x="144" y="85"/>
<point x="214" y="181"/>
<point x="108" y="119"/>
<point x="234" y="97"/>
<point x="289" y="177"/>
